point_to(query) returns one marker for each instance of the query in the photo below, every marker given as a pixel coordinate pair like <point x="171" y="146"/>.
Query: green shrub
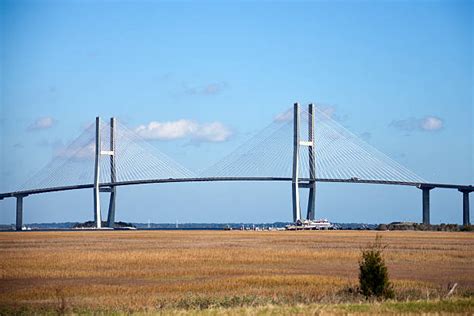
<point x="373" y="273"/>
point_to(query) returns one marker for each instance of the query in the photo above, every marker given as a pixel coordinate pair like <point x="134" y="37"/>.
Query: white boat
<point x="320" y="224"/>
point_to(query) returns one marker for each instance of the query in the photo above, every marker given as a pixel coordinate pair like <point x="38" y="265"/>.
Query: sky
<point x="198" y="78"/>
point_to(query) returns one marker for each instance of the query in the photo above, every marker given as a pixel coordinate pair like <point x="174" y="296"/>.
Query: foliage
<point x="373" y="273"/>
<point x="91" y="224"/>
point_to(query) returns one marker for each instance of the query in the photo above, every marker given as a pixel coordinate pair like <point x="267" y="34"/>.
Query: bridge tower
<point x="113" y="177"/>
<point x="97" y="189"/>
<point x="311" y="182"/>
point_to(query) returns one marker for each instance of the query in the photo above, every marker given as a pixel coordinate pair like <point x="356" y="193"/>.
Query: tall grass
<point x="146" y="270"/>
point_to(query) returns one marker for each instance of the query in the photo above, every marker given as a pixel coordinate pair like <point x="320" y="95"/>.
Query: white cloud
<point x="42" y="123"/>
<point x="431" y="123"/>
<point x="213" y="88"/>
<point x="204" y="132"/>
<point x="428" y="123"/>
<point x="167" y="130"/>
<point x="212" y="132"/>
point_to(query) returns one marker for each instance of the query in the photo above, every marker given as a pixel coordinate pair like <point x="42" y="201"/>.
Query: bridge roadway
<point x="303" y="182"/>
<point x="420" y="185"/>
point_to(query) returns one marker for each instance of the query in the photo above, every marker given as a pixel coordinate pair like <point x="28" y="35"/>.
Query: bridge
<point x="301" y="147"/>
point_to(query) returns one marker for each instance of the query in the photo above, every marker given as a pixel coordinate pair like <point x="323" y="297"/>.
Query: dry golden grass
<point x="140" y="270"/>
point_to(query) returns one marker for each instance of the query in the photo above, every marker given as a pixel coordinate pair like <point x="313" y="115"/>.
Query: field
<point x="228" y="271"/>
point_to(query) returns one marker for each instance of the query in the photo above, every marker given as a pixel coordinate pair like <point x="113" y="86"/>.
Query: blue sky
<point x="400" y="74"/>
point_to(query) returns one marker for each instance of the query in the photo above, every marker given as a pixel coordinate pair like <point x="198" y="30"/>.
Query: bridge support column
<point x="98" y="153"/>
<point x="465" y="207"/>
<point x="111" y="214"/>
<point x="312" y="164"/>
<point x="296" y="148"/>
<point x="311" y="184"/>
<point x="311" y="201"/>
<point x="97" y="213"/>
<point x="19" y="212"/>
<point x="426" y="203"/>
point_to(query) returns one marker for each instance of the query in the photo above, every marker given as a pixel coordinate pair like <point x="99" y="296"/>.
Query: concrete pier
<point x="465" y="207"/>
<point x="19" y="212"/>
<point x="111" y="214"/>
<point x="426" y="203"/>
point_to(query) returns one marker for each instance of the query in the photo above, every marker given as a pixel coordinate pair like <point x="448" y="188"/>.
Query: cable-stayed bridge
<point x="301" y="146"/>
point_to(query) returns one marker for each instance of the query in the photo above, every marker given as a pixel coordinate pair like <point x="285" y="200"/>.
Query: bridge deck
<point x="215" y="179"/>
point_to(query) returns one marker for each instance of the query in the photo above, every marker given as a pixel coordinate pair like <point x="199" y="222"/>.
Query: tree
<point x="373" y="273"/>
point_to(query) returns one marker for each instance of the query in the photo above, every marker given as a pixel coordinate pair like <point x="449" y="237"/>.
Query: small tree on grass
<point x="373" y="273"/>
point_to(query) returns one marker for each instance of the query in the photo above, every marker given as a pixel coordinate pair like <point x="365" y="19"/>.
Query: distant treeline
<point x="425" y="227"/>
<point x="91" y="224"/>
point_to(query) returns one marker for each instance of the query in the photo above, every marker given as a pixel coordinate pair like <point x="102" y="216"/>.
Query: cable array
<point x="339" y="154"/>
<point x="266" y="154"/>
<point x="135" y="159"/>
<point x="70" y="165"/>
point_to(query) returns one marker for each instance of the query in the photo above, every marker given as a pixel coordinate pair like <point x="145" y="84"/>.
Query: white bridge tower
<point x="309" y="183"/>
<point x="97" y="189"/>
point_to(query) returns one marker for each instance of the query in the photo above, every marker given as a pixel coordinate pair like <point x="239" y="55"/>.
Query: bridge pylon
<point x="113" y="177"/>
<point x="97" y="189"/>
<point x="19" y="211"/>
<point x="311" y="182"/>
<point x="465" y="205"/>
<point x="426" y="203"/>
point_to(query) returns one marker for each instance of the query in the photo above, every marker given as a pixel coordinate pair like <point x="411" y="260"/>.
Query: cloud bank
<point x="427" y="124"/>
<point x="202" y="132"/>
<point x="42" y="123"/>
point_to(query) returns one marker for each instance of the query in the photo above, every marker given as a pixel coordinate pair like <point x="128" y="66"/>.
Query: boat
<point x="320" y="224"/>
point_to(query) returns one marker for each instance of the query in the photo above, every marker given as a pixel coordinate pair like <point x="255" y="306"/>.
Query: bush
<point x="382" y="227"/>
<point x="373" y="273"/>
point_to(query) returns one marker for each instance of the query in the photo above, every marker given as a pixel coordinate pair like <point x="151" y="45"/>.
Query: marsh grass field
<point x="303" y="272"/>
